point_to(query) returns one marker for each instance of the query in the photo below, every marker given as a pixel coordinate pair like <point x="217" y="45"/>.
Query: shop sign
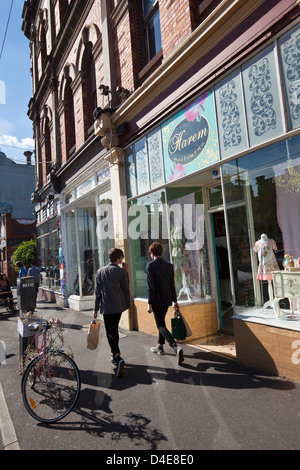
<point x="190" y="138"/>
<point x="85" y="187"/>
<point x="103" y="175"/>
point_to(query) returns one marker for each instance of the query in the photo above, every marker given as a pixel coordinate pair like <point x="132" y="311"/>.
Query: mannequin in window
<point x="265" y="248"/>
<point x="177" y="250"/>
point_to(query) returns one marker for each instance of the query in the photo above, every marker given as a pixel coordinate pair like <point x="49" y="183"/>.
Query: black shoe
<point x="120" y="366"/>
<point x="113" y="362"/>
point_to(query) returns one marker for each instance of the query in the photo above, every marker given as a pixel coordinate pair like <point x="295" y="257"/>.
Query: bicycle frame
<point x="44" y="348"/>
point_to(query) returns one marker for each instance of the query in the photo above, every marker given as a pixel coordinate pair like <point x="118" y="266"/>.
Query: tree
<point x="26" y="253"/>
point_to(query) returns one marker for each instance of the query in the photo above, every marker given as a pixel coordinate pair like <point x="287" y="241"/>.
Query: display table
<point x="286" y="285"/>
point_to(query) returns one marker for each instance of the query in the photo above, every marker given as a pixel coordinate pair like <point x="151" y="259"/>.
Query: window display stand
<point x="286" y="284"/>
<point x="270" y="302"/>
<point x="185" y="289"/>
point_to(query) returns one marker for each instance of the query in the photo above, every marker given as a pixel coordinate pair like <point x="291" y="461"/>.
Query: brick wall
<point x="175" y="20"/>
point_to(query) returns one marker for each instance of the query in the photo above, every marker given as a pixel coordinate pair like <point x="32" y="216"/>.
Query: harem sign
<point x="190" y="138"/>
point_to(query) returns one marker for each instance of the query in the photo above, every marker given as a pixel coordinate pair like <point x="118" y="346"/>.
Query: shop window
<point x="47" y="248"/>
<point x="147" y="222"/>
<point x="178" y="223"/>
<point x="72" y="267"/>
<point x="105" y="227"/>
<point x="188" y="244"/>
<point x="152" y="27"/>
<point x="215" y="196"/>
<point x="265" y="120"/>
<point x="144" y="164"/>
<point x="289" y="46"/>
<point x="231" y="115"/>
<point x="262" y="192"/>
<point x="87" y="245"/>
<point x="89" y="238"/>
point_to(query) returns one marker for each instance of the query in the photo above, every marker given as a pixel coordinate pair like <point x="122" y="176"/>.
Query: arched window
<point x="69" y="119"/>
<point x="48" y="151"/>
<point x="89" y="89"/>
<point x="43" y="45"/>
<point x="63" y="6"/>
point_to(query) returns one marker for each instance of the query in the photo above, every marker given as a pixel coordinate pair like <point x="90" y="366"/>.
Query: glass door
<point x="224" y="293"/>
<point x="235" y="261"/>
<point x="241" y="256"/>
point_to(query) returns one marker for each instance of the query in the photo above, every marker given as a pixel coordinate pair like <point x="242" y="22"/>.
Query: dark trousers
<point x="163" y="333"/>
<point x="111" y="322"/>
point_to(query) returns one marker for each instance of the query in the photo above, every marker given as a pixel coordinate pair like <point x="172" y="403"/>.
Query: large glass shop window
<point x="178" y="223"/>
<point x="147" y="222"/>
<point x="188" y="242"/>
<point x="82" y="251"/>
<point x="72" y="268"/>
<point x="87" y="247"/>
<point x="262" y="192"/>
<point x="47" y="247"/>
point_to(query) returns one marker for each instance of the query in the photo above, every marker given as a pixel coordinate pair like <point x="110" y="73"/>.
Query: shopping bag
<point x="188" y="331"/>
<point x="178" y="328"/>
<point x="93" y="335"/>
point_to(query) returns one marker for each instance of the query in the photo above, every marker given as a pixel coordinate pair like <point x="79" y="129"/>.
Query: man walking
<point x="113" y="297"/>
<point x="34" y="271"/>
<point x="161" y="294"/>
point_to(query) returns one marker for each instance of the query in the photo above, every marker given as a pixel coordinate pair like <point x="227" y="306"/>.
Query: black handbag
<point x="178" y="327"/>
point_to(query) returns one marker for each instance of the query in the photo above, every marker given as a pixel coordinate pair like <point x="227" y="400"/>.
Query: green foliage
<point x="25" y="252"/>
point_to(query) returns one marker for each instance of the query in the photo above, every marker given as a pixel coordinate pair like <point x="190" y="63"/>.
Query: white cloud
<point x="12" y="141"/>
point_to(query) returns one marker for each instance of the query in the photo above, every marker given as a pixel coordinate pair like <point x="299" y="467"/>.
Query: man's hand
<point x="149" y="309"/>
<point x="95" y="314"/>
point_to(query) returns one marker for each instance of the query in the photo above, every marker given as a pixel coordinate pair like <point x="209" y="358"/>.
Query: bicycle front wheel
<point x="50" y="386"/>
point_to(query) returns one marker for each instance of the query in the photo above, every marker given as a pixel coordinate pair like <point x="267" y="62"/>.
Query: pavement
<point x="210" y="402"/>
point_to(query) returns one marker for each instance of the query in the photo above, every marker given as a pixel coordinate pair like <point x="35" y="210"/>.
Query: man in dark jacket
<point x="161" y="294"/>
<point x="113" y="297"/>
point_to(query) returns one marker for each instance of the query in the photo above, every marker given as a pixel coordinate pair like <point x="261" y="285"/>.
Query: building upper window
<point x="152" y="27"/>
<point x="43" y="45"/>
<point x="48" y="153"/>
<point x="69" y="119"/>
<point x="63" y="6"/>
<point x="89" y="89"/>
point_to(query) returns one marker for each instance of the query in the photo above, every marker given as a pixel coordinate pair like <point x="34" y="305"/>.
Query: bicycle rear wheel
<point x="50" y="386"/>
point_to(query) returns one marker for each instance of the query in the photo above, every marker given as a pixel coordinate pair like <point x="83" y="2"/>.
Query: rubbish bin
<point x="26" y="293"/>
<point x="26" y="296"/>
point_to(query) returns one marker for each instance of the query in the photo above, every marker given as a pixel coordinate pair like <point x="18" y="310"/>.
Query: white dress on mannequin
<point x="265" y="248"/>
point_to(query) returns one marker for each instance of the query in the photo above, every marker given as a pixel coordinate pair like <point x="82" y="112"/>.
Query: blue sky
<point x="15" y="84"/>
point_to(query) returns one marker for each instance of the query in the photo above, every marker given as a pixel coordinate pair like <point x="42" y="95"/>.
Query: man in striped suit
<point x="161" y="294"/>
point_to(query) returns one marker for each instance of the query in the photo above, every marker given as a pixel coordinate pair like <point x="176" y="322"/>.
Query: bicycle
<point x="51" y="382"/>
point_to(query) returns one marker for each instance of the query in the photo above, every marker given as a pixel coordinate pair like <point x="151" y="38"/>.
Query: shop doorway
<point x="236" y="266"/>
<point x="225" y="298"/>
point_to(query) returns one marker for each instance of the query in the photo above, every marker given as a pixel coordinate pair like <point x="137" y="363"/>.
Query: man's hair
<point x="156" y="248"/>
<point x="19" y="264"/>
<point x="114" y="254"/>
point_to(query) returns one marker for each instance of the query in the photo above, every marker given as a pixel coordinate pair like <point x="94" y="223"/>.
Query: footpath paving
<point x="209" y="402"/>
